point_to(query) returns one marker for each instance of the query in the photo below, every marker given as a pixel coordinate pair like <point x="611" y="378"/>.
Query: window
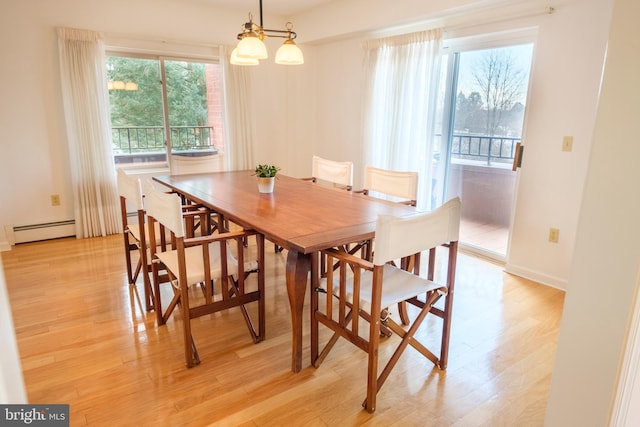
<point x="161" y="106"/>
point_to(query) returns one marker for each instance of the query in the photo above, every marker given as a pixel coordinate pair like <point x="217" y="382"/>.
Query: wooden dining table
<point x="299" y="216"/>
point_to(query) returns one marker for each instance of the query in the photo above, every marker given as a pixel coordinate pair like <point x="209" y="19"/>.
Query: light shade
<point x="237" y="60"/>
<point x="289" y="54"/>
<point x="131" y="86"/>
<point x="118" y="85"/>
<point x="251" y="47"/>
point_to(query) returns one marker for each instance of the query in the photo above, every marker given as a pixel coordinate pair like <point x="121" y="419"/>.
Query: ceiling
<point x="271" y="7"/>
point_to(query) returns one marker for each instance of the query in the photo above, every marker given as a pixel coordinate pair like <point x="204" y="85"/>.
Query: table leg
<point x="297" y="274"/>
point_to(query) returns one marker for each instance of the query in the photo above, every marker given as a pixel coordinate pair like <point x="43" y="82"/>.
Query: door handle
<point x="517" y="156"/>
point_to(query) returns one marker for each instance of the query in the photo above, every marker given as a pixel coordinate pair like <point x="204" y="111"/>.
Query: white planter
<point x="265" y="185"/>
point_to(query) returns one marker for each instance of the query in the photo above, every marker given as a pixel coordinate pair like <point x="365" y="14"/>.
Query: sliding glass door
<point x="482" y="107"/>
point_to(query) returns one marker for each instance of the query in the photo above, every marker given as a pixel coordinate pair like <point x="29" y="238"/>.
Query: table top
<point x="299" y="215"/>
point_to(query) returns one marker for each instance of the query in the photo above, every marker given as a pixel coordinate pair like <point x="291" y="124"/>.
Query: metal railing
<point x="500" y="149"/>
<point x="147" y="143"/>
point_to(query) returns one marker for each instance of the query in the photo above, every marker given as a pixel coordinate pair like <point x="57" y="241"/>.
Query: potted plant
<point x="266" y="175"/>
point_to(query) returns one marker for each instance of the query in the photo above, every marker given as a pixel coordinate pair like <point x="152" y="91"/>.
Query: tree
<point x="469" y="113"/>
<point x="186" y="97"/>
<point x="501" y="83"/>
<point x="142" y="107"/>
<point x="186" y="92"/>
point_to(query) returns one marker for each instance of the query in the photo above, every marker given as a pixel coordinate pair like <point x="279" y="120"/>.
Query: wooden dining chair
<point x="134" y="234"/>
<point x="329" y="172"/>
<point x="338" y="174"/>
<point x="213" y="263"/>
<point x="360" y="289"/>
<point x="187" y="165"/>
<point x="399" y="186"/>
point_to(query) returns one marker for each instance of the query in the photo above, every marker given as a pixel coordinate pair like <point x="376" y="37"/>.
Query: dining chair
<point x="329" y="172"/>
<point x="134" y="233"/>
<point x="183" y="165"/>
<point x="213" y="263"/>
<point x="186" y="165"/>
<point x="400" y="186"/>
<point x="397" y="186"/>
<point x="338" y="174"/>
<point x="360" y="289"/>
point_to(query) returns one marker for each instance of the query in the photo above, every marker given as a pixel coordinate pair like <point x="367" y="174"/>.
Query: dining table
<point x="300" y="216"/>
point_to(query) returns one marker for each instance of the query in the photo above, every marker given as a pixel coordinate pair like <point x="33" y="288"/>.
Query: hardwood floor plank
<point x="85" y="340"/>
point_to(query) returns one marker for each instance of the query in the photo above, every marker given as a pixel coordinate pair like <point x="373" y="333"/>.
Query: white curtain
<point x="239" y="133"/>
<point x="402" y="79"/>
<point x="86" y="110"/>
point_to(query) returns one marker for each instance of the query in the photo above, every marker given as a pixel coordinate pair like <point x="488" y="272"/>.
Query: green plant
<point x="266" y="171"/>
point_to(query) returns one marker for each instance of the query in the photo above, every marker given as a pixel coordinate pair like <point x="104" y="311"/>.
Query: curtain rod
<point x="446" y="20"/>
<point x="548" y="10"/>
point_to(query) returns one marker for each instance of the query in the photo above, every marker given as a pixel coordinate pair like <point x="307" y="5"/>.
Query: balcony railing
<point x="499" y="149"/>
<point x="147" y="143"/>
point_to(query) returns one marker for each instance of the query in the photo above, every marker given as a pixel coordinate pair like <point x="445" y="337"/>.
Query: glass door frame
<point x="453" y="48"/>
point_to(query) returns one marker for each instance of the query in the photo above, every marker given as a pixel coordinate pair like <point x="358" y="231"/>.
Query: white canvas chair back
<point x="400" y="237"/>
<point x="184" y="165"/>
<point x="340" y="173"/>
<point x="166" y="208"/>
<point x="131" y="189"/>
<point x="400" y="184"/>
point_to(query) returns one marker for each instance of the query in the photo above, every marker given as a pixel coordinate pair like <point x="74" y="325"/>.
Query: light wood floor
<point x="84" y="341"/>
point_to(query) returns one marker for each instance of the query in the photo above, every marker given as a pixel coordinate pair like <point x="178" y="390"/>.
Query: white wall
<point x="564" y="89"/>
<point x="606" y="260"/>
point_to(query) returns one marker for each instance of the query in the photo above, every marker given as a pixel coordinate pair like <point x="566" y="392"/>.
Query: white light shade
<point x="236" y="60"/>
<point x="289" y="54"/>
<point x="251" y="47"/>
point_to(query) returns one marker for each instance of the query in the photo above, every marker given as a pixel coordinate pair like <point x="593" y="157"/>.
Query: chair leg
<point x="373" y="381"/>
<point x="257" y="334"/>
<point x="317" y="361"/>
<point x="190" y="351"/>
<point x="407" y="338"/>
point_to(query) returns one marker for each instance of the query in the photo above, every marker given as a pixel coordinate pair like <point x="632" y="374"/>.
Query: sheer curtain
<point x="239" y="139"/>
<point x="402" y="79"/>
<point x="86" y="110"/>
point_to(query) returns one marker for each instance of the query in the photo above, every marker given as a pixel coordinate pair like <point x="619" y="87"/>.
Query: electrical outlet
<point x="567" y="143"/>
<point x="554" y="235"/>
<point x="55" y="200"/>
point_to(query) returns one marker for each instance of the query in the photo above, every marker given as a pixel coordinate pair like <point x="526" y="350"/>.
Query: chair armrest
<point x="348" y="258"/>
<point x="230" y="235"/>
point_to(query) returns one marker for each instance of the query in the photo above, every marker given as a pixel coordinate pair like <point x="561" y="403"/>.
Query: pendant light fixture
<point x="251" y="48"/>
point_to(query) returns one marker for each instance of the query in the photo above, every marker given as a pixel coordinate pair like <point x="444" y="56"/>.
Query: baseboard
<point x="552" y="281"/>
<point x="44" y="231"/>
